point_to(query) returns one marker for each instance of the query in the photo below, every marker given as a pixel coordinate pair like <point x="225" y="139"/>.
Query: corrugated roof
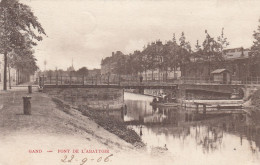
<point x="219" y="71"/>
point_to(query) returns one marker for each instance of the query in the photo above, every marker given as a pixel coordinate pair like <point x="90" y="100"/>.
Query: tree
<point x="184" y="53"/>
<point x="212" y="51"/>
<point x="170" y="56"/>
<point x="16" y="20"/>
<point x="152" y="53"/>
<point x="255" y="57"/>
<point x="222" y="40"/>
<point x="82" y="71"/>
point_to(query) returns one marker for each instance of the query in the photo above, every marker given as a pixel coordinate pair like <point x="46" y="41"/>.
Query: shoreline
<point x="105" y="121"/>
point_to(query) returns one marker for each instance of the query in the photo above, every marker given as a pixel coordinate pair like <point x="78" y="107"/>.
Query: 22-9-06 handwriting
<point x="72" y="158"/>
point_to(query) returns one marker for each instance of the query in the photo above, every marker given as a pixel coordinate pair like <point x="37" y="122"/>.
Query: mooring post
<point x="204" y="108"/>
<point x="27" y="105"/>
<point x="30" y="89"/>
<point x="43" y="80"/>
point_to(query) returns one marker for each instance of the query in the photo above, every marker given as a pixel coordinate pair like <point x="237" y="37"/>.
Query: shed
<point x="221" y="76"/>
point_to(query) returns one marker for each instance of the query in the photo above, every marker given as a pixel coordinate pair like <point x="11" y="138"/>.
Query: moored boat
<point x="164" y="104"/>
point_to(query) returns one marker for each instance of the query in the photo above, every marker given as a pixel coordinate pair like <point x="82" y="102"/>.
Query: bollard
<point x="29" y="88"/>
<point x="27" y="105"/>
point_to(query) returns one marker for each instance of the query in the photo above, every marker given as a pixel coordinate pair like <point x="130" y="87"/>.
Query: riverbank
<point x="109" y="123"/>
<point x="255" y="99"/>
<point x="50" y="129"/>
<point x="255" y="110"/>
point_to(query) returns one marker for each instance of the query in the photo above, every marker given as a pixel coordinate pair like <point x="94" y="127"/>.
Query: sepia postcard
<point x="133" y="82"/>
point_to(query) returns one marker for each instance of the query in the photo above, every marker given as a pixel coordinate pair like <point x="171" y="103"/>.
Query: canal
<point x="195" y="138"/>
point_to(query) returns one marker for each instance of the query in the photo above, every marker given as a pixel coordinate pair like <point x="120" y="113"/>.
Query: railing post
<point x="56" y="79"/>
<point x="108" y="79"/>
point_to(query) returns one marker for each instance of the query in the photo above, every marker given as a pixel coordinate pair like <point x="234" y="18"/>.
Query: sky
<point x="87" y="31"/>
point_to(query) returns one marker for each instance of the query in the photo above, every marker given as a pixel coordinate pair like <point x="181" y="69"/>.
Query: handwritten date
<point x="72" y="158"/>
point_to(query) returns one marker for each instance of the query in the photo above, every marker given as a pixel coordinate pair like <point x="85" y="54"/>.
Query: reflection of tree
<point x="210" y="138"/>
<point x="238" y="124"/>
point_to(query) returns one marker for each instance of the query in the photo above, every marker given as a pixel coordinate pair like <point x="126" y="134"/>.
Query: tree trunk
<point x="145" y="75"/>
<point x="152" y="74"/>
<point x="16" y="82"/>
<point x="166" y="76"/>
<point x="5" y="72"/>
<point x="9" y="75"/>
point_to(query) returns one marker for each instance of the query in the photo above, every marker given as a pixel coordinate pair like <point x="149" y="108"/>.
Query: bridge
<point x="183" y="85"/>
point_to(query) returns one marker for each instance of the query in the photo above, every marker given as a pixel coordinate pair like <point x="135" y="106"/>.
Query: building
<point x="94" y="72"/>
<point x="236" y="53"/>
<point x="221" y="76"/>
<point x="236" y="61"/>
<point x="108" y="64"/>
<point x="161" y="75"/>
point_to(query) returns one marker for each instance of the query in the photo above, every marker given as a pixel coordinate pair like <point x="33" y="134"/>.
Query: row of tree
<point x="83" y="71"/>
<point x="19" y="31"/>
<point x="169" y="56"/>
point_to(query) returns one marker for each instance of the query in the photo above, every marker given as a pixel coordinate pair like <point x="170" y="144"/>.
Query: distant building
<point x="70" y="69"/>
<point x="108" y="64"/>
<point x="237" y="62"/>
<point x="94" y="72"/>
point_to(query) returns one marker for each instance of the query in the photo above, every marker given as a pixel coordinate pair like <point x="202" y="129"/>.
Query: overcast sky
<point x="88" y="31"/>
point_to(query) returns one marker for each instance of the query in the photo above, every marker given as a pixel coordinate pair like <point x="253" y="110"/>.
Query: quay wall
<point x="91" y="98"/>
<point x="200" y="91"/>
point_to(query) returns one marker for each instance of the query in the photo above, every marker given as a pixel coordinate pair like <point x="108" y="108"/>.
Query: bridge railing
<point x="135" y="80"/>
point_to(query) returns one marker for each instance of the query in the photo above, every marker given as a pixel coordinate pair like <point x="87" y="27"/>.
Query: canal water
<point x="195" y="138"/>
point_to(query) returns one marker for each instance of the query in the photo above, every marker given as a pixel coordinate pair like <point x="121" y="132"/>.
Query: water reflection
<point x="227" y="138"/>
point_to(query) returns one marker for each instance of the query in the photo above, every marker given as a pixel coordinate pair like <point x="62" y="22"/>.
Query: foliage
<point x="255" y="59"/>
<point x="169" y="56"/>
<point x="19" y="31"/>
<point x="82" y="71"/>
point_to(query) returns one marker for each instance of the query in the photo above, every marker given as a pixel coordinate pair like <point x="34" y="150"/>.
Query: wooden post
<point x="204" y="108"/>
<point x="197" y="108"/>
<point x="56" y="79"/>
<point x="43" y="80"/>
